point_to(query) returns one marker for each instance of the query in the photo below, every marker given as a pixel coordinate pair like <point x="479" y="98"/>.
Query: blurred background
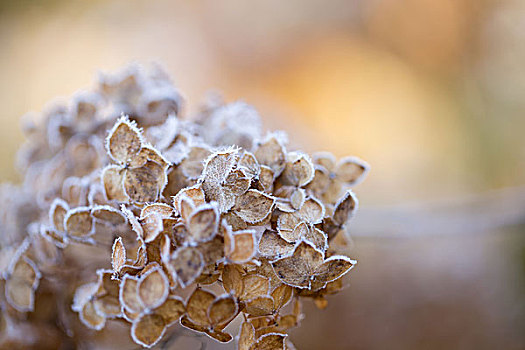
<point x="430" y="92"/>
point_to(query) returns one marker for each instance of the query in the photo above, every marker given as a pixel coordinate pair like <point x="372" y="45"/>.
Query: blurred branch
<point x="465" y="215"/>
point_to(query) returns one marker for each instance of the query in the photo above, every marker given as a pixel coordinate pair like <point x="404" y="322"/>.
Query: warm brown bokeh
<point x="429" y="92"/>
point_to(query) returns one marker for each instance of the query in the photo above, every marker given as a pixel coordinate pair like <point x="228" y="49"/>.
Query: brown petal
<point x="107" y="306"/>
<point x="221" y="311"/>
<point x="187" y="264"/>
<point x="218" y="166"/>
<point x="153" y="288"/>
<point x="254" y="286"/>
<point x="281" y="296"/>
<point x="91" y="318"/>
<point x="345" y="208"/>
<point x="333" y="268"/>
<point x="270" y="341"/>
<point x="272" y="246"/>
<point x="254" y="206"/>
<point x="203" y="223"/>
<point x="325" y="159"/>
<point x="272" y="153"/>
<point x="246" y="336"/>
<point x="171" y="310"/>
<point x="108" y="215"/>
<point x="57" y="213"/>
<point x="232" y="279"/>
<point x="165" y="211"/>
<point x="144" y="184"/>
<point x="352" y="170"/>
<point x="260" y="306"/>
<point x="198" y="305"/>
<point x="129" y="294"/>
<point x="148" y="330"/>
<point x="240" y="246"/>
<point x="79" y="222"/>
<point x="297" y="270"/>
<point x="113" y="181"/>
<point x="118" y="255"/>
<point x="124" y="140"/>
<point x="299" y="170"/>
<point x="152" y="225"/>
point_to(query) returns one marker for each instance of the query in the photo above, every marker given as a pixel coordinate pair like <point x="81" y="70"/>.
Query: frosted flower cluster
<point x="130" y="213"/>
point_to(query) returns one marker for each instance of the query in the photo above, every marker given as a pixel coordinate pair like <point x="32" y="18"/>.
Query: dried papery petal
<point x="185" y="207"/>
<point x="345" y="208"/>
<point x="240" y="246"/>
<point x="79" y="222"/>
<point x="260" y="306"/>
<point x="235" y="185"/>
<point x="250" y="164"/>
<point x="113" y="182"/>
<point x="90" y="317"/>
<point x="198" y="305"/>
<point x="333" y="268"/>
<point x="194" y="193"/>
<point x="108" y="215"/>
<point x="221" y="337"/>
<point x="171" y="310"/>
<point x="23" y="279"/>
<point x="246" y="336"/>
<point x="107" y="284"/>
<point x="118" y="255"/>
<point x="222" y="311"/>
<point x="352" y="170"/>
<point x="148" y="153"/>
<point x="187" y="264"/>
<point x="107" y="306"/>
<point x="193" y="165"/>
<point x="203" y="223"/>
<point x="129" y="294"/>
<point x="232" y="279"/>
<point x="212" y="251"/>
<point x="57" y="212"/>
<point x="266" y="177"/>
<point x="270" y="341"/>
<point x="144" y="184"/>
<point x="134" y="221"/>
<point x="320" y="182"/>
<point x="317" y="237"/>
<point x="253" y="206"/>
<point x="311" y="212"/>
<point x="153" y="288"/>
<point x="124" y="141"/>
<point x="272" y="246"/>
<point x="298" y="198"/>
<point x="83" y="294"/>
<point x="309" y="233"/>
<point x="272" y="153"/>
<point x="306" y="267"/>
<point x="281" y="296"/>
<point x="254" y="286"/>
<point x="325" y="159"/>
<point x="217" y="167"/>
<point x="165" y="211"/>
<point x="299" y="170"/>
<point x="152" y="225"/>
<point x="148" y="330"/>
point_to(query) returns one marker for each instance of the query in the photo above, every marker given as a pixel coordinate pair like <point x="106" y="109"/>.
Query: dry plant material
<point x="195" y="221"/>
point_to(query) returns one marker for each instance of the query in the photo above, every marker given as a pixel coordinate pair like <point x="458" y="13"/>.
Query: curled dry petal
<point x="253" y="206"/>
<point x="306" y="267"/>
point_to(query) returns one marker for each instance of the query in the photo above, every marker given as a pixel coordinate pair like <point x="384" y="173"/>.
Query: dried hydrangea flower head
<point x="130" y="213"/>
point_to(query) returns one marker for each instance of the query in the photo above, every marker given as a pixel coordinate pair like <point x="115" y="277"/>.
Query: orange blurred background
<point x="430" y="92"/>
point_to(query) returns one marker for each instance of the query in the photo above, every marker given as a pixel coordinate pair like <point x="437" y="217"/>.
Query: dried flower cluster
<point x="194" y="222"/>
